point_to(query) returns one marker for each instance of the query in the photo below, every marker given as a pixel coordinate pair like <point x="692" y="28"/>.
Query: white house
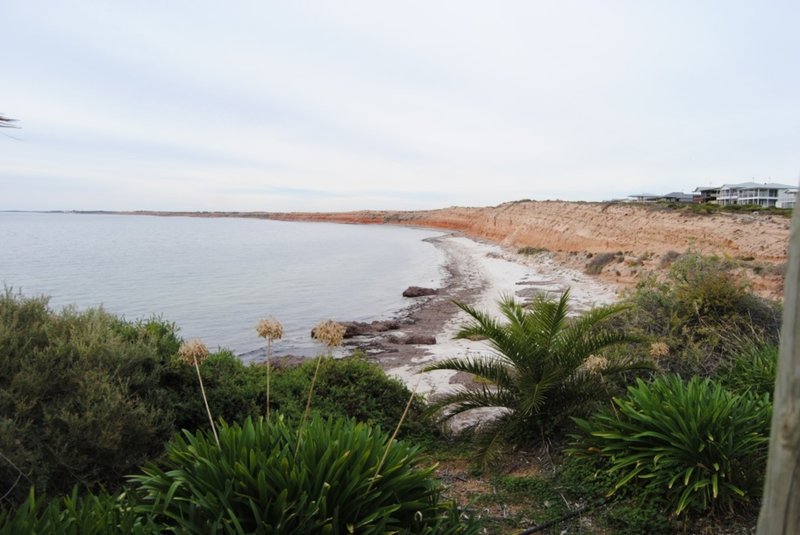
<point x="787" y="198"/>
<point x="751" y="193"/>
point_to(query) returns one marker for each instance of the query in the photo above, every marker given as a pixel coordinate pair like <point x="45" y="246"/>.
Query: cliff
<point x="645" y="236"/>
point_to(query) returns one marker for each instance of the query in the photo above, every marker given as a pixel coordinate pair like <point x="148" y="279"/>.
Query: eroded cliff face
<point x="576" y="231"/>
<point x="593" y="227"/>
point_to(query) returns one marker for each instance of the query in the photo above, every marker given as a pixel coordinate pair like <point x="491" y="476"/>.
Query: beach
<point x="479" y="273"/>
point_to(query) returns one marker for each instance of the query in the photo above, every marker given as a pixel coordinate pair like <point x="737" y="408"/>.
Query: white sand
<point x="498" y="272"/>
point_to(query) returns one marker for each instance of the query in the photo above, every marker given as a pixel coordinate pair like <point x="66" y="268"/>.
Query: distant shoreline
<point x="641" y="237"/>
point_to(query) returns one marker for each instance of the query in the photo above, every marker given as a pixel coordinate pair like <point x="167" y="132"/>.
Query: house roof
<point x="751" y="185"/>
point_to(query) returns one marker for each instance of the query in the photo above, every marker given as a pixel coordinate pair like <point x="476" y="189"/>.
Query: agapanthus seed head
<point x="193" y="350"/>
<point x="329" y="333"/>
<point x="659" y="349"/>
<point x="270" y="328"/>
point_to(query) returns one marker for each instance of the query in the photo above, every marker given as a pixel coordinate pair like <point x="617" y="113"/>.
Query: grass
<point x="712" y="209"/>
<point x="532" y="250"/>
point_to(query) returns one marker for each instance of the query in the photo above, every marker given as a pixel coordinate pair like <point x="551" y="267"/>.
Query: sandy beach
<point x="479" y="273"/>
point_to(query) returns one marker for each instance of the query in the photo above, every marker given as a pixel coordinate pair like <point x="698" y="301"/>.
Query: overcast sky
<point x="267" y="105"/>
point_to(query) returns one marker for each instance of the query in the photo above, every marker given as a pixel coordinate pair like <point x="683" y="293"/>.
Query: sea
<point x="215" y="278"/>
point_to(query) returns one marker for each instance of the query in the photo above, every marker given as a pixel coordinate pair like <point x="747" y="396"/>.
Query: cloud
<point x="270" y="105"/>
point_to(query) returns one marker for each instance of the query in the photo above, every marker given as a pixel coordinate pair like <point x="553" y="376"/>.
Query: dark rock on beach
<point x="413" y="339"/>
<point x="360" y="328"/>
<point x="417" y="291"/>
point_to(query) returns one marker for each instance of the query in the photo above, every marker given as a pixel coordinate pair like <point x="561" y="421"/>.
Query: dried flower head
<point x="270" y="328"/>
<point x="594" y="364"/>
<point x="659" y="349"/>
<point x="329" y="333"/>
<point x="193" y="351"/>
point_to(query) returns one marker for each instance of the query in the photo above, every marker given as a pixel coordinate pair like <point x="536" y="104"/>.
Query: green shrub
<point x="641" y="515"/>
<point x="349" y="387"/>
<point x="531" y="250"/>
<point x="78" y="400"/>
<point x="752" y="369"/>
<point x="627" y="512"/>
<point x="697" y="310"/>
<point x="697" y="444"/>
<point x="337" y="476"/>
<point x="235" y="391"/>
<point x="90" y="514"/>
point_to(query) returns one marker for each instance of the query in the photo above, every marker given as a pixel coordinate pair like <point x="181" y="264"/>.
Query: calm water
<point x="215" y="278"/>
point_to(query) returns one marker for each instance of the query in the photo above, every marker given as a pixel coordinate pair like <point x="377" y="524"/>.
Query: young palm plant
<point x="543" y="363"/>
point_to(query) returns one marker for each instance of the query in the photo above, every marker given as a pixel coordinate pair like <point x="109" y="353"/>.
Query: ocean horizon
<point x="215" y="278"/>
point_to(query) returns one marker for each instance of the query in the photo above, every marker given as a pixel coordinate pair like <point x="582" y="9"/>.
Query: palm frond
<point x="497" y="336"/>
<point x="482" y="325"/>
<point x="467" y="399"/>
<point x="490" y="439"/>
<point x="548" y="318"/>
<point x="494" y="369"/>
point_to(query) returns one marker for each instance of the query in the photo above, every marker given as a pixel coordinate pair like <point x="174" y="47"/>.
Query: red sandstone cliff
<point x="576" y="230"/>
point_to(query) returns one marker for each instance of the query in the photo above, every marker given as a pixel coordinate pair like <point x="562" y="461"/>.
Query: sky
<point x="342" y="105"/>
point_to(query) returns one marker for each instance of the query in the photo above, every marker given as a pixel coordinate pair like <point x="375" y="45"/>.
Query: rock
<point x="383" y="326"/>
<point x="417" y="291"/>
<point x="413" y="339"/>
<point x="359" y="328"/>
<point x="421" y="339"/>
<point x="356" y="328"/>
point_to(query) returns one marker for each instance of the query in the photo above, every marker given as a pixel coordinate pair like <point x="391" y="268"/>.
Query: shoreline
<point x="479" y="274"/>
<point x="643" y="237"/>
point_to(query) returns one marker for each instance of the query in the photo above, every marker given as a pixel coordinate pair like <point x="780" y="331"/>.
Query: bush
<point x="698" y="310"/>
<point x="752" y="369"/>
<point x="235" y="391"/>
<point x="668" y="258"/>
<point x="334" y="476"/>
<point x="531" y="250"/>
<point x="349" y="387"/>
<point x="78" y="400"/>
<point x="101" y="514"/>
<point x="86" y="398"/>
<point x="598" y="262"/>
<point x="697" y="444"/>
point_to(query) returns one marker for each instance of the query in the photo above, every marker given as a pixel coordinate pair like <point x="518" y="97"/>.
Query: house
<point x="750" y="193"/>
<point x="706" y="195"/>
<point x="644" y="197"/>
<point x="675" y="196"/>
<point x="678" y="196"/>
<point x="787" y="198"/>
